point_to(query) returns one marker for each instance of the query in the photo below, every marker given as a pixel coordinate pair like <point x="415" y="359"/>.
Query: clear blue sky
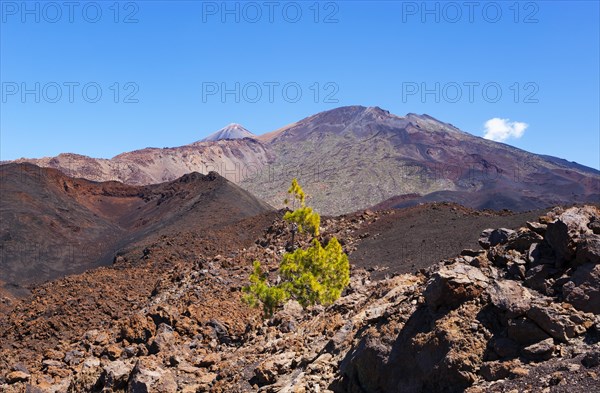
<point x="175" y="57"/>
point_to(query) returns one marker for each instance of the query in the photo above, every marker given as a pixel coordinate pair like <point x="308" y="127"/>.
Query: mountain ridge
<point x="354" y="157"/>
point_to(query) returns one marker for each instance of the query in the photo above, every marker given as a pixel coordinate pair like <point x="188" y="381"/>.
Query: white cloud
<point x="500" y="130"/>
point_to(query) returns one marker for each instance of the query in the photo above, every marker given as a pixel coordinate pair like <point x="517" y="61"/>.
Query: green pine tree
<point x="315" y="275"/>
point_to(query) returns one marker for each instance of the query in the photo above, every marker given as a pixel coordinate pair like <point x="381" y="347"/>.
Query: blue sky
<point x="161" y="68"/>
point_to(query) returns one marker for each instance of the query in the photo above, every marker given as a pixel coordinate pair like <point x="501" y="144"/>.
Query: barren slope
<point x="52" y="225"/>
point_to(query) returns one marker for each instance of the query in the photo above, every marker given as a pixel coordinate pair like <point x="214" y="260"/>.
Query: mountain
<point x="52" y="225"/>
<point x="232" y="131"/>
<point x="354" y="157"/>
<point x="233" y="159"/>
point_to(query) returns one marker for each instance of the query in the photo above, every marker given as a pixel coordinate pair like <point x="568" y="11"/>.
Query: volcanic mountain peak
<point x="231" y="131"/>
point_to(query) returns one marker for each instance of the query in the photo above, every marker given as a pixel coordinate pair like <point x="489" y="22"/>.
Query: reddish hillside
<point x="53" y="225"/>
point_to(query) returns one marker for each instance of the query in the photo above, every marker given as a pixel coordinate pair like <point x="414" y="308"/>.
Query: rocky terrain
<point x="352" y="158"/>
<point x="518" y="313"/>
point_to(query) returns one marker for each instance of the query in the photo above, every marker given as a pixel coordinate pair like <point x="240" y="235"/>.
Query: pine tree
<point x="315" y="275"/>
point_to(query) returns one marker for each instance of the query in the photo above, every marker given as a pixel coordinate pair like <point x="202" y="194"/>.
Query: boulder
<point x="505" y="347"/>
<point x="148" y="377"/>
<point x="493" y="371"/>
<point x="509" y="296"/>
<point x="525" y="332"/>
<point x="115" y="375"/>
<point x="554" y="322"/>
<point x="164" y="340"/>
<point x="588" y="250"/>
<point x="492" y="237"/>
<point x="583" y="288"/>
<point x="266" y="373"/>
<point x="138" y="329"/>
<point x="522" y="240"/>
<point x="591" y="359"/>
<point x="17" y="376"/>
<point x="540" y="351"/>
<point x="563" y="233"/>
<point x="537" y="227"/>
<point x="287" y="318"/>
<point x="539" y="278"/>
<point x="454" y="284"/>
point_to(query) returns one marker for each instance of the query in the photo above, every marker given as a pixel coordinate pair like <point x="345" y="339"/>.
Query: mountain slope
<point x="53" y="225"/>
<point x="354" y="157"/>
<point x="235" y="159"/>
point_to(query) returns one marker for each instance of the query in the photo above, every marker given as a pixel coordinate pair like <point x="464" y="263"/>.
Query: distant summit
<point x="232" y="131"/>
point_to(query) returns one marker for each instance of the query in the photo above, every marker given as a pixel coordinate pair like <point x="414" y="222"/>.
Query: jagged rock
<point x="472" y="253"/>
<point x="594" y="225"/>
<point x="205" y="378"/>
<point x="164" y="340"/>
<point x="562" y="234"/>
<point x="525" y="332"/>
<point x="556" y="324"/>
<point x="91" y="362"/>
<point x="164" y="314"/>
<point x="52" y="363"/>
<point x="138" y="329"/>
<point x="510" y="297"/>
<point x="522" y="240"/>
<point x="115" y="375"/>
<point x="147" y="377"/>
<point x="591" y="359"/>
<point x="54" y="355"/>
<point x="432" y="352"/>
<point x="588" y="250"/>
<point x="516" y="270"/>
<point x="113" y="352"/>
<point x="266" y="373"/>
<point x="492" y="237"/>
<point x="73" y="358"/>
<point x="221" y="331"/>
<point x="87" y="379"/>
<point x="17" y="376"/>
<point x="208" y="360"/>
<point x="540" y="351"/>
<point x="287" y="318"/>
<point x="454" y="284"/>
<point x="537" y="227"/>
<point x="539" y="278"/>
<point x="493" y="371"/>
<point x="583" y="288"/>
